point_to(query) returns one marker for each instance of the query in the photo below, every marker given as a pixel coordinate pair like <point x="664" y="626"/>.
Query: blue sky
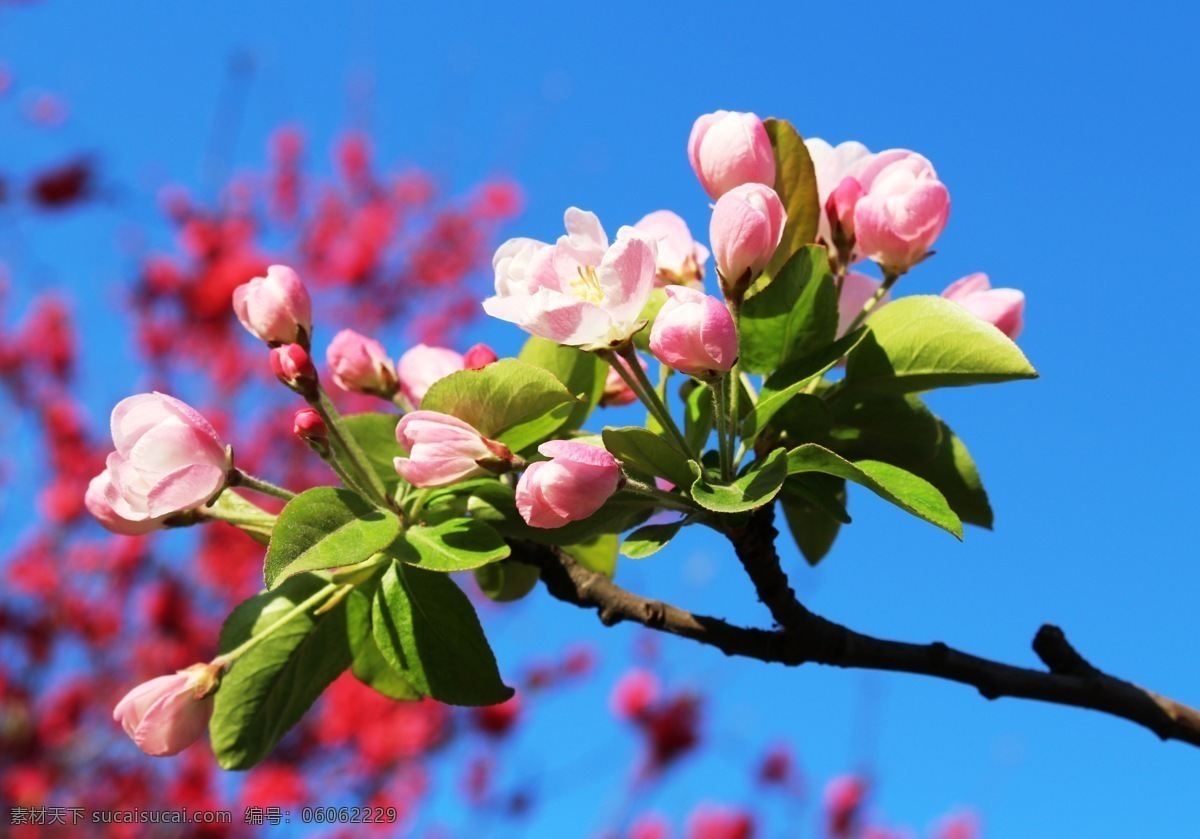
<point x="1067" y="138"/>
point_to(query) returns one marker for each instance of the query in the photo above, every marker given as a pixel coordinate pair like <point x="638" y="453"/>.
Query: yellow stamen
<point x="587" y="286"/>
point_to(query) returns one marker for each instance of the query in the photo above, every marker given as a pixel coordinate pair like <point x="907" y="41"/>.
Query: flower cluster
<point x="461" y="462"/>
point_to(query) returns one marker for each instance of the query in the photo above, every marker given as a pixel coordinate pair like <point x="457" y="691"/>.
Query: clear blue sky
<point x="1067" y="136"/>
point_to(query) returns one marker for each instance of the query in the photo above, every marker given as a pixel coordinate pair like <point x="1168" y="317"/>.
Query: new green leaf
<point x="793" y="377"/>
<point x="582" y="373"/>
<point x="919" y="343"/>
<point x="271" y="685"/>
<point x="796" y="185"/>
<point x="376" y="436"/>
<point x="814" y="514"/>
<point x="649" y="540"/>
<point x="428" y="632"/>
<point x="324" y="528"/>
<point x="507" y="580"/>
<point x="648" y="452"/>
<point x="752" y="490"/>
<point x="793" y="315"/>
<point x="904" y="489"/>
<point x="457" y="544"/>
<point x="508" y="400"/>
<point x="597" y="554"/>
<point x="368" y="665"/>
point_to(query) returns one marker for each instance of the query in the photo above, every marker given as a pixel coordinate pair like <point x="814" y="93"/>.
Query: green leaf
<point x="902" y="431"/>
<point x="898" y="429"/>
<point x="597" y="554"/>
<point x="752" y="490"/>
<point x="803" y="419"/>
<point x="650" y="539"/>
<point x="507" y="580"/>
<point x="457" y="544"/>
<point x="509" y="400"/>
<point x="787" y="382"/>
<point x="953" y="472"/>
<point x="272" y="684"/>
<point x="904" y="489"/>
<point x="919" y="343"/>
<point x="808" y="515"/>
<point x="793" y="315"/>
<point x="376" y="436"/>
<point x="324" y="528"/>
<point x="698" y="413"/>
<point x="826" y="493"/>
<point x="369" y="666"/>
<point x="428" y="632"/>
<point x="582" y="373"/>
<point x="648" y="452"/>
<point x="796" y="184"/>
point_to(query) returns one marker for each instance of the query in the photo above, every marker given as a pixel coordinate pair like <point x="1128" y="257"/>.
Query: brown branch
<point x="804" y="637"/>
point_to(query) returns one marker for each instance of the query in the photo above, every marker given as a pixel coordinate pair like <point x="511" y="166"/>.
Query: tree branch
<point x="803" y="636"/>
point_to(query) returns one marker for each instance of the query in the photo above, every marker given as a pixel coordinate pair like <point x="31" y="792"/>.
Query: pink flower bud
<point x="423" y="365"/>
<point x="275" y="308"/>
<point x="361" y="365"/>
<point x="902" y="211"/>
<point x="1003" y="308"/>
<point x="572" y="485"/>
<point x="747" y="224"/>
<point x="309" y="425"/>
<point x="168" y="459"/>
<point x="680" y="258"/>
<point x="478" y="357"/>
<point x="166" y="715"/>
<point x="694" y="334"/>
<point x="444" y="450"/>
<point x="728" y="149"/>
<point x="293" y="366"/>
<point x="616" y="391"/>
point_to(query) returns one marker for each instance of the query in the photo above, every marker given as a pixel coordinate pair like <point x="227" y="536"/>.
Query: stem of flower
<point x="231" y="508"/>
<point x="355" y="472"/>
<point x="640" y="384"/>
<point x="889" y="280"/>
<point x="724" y="447"/>
<point x="665" y="499"/>
<point x="418" y="507"/>
<point x="238" y="478"/>
<point x="733" y="387"/>
<point x="225" y="660"/>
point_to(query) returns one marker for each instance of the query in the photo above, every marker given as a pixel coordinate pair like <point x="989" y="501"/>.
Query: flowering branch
<point x="805" y="637"/>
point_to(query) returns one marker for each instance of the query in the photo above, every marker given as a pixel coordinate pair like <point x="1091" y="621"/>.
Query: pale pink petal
<point x="627" y="277"/>
<point x="184" y="488"/>
<point x="968" y="285"/>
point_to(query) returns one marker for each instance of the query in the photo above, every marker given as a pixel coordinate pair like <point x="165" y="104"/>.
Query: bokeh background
<point x="1066" y="134"/>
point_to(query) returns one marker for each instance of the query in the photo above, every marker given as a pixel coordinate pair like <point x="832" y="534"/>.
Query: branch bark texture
<point x="800" y="636"/>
